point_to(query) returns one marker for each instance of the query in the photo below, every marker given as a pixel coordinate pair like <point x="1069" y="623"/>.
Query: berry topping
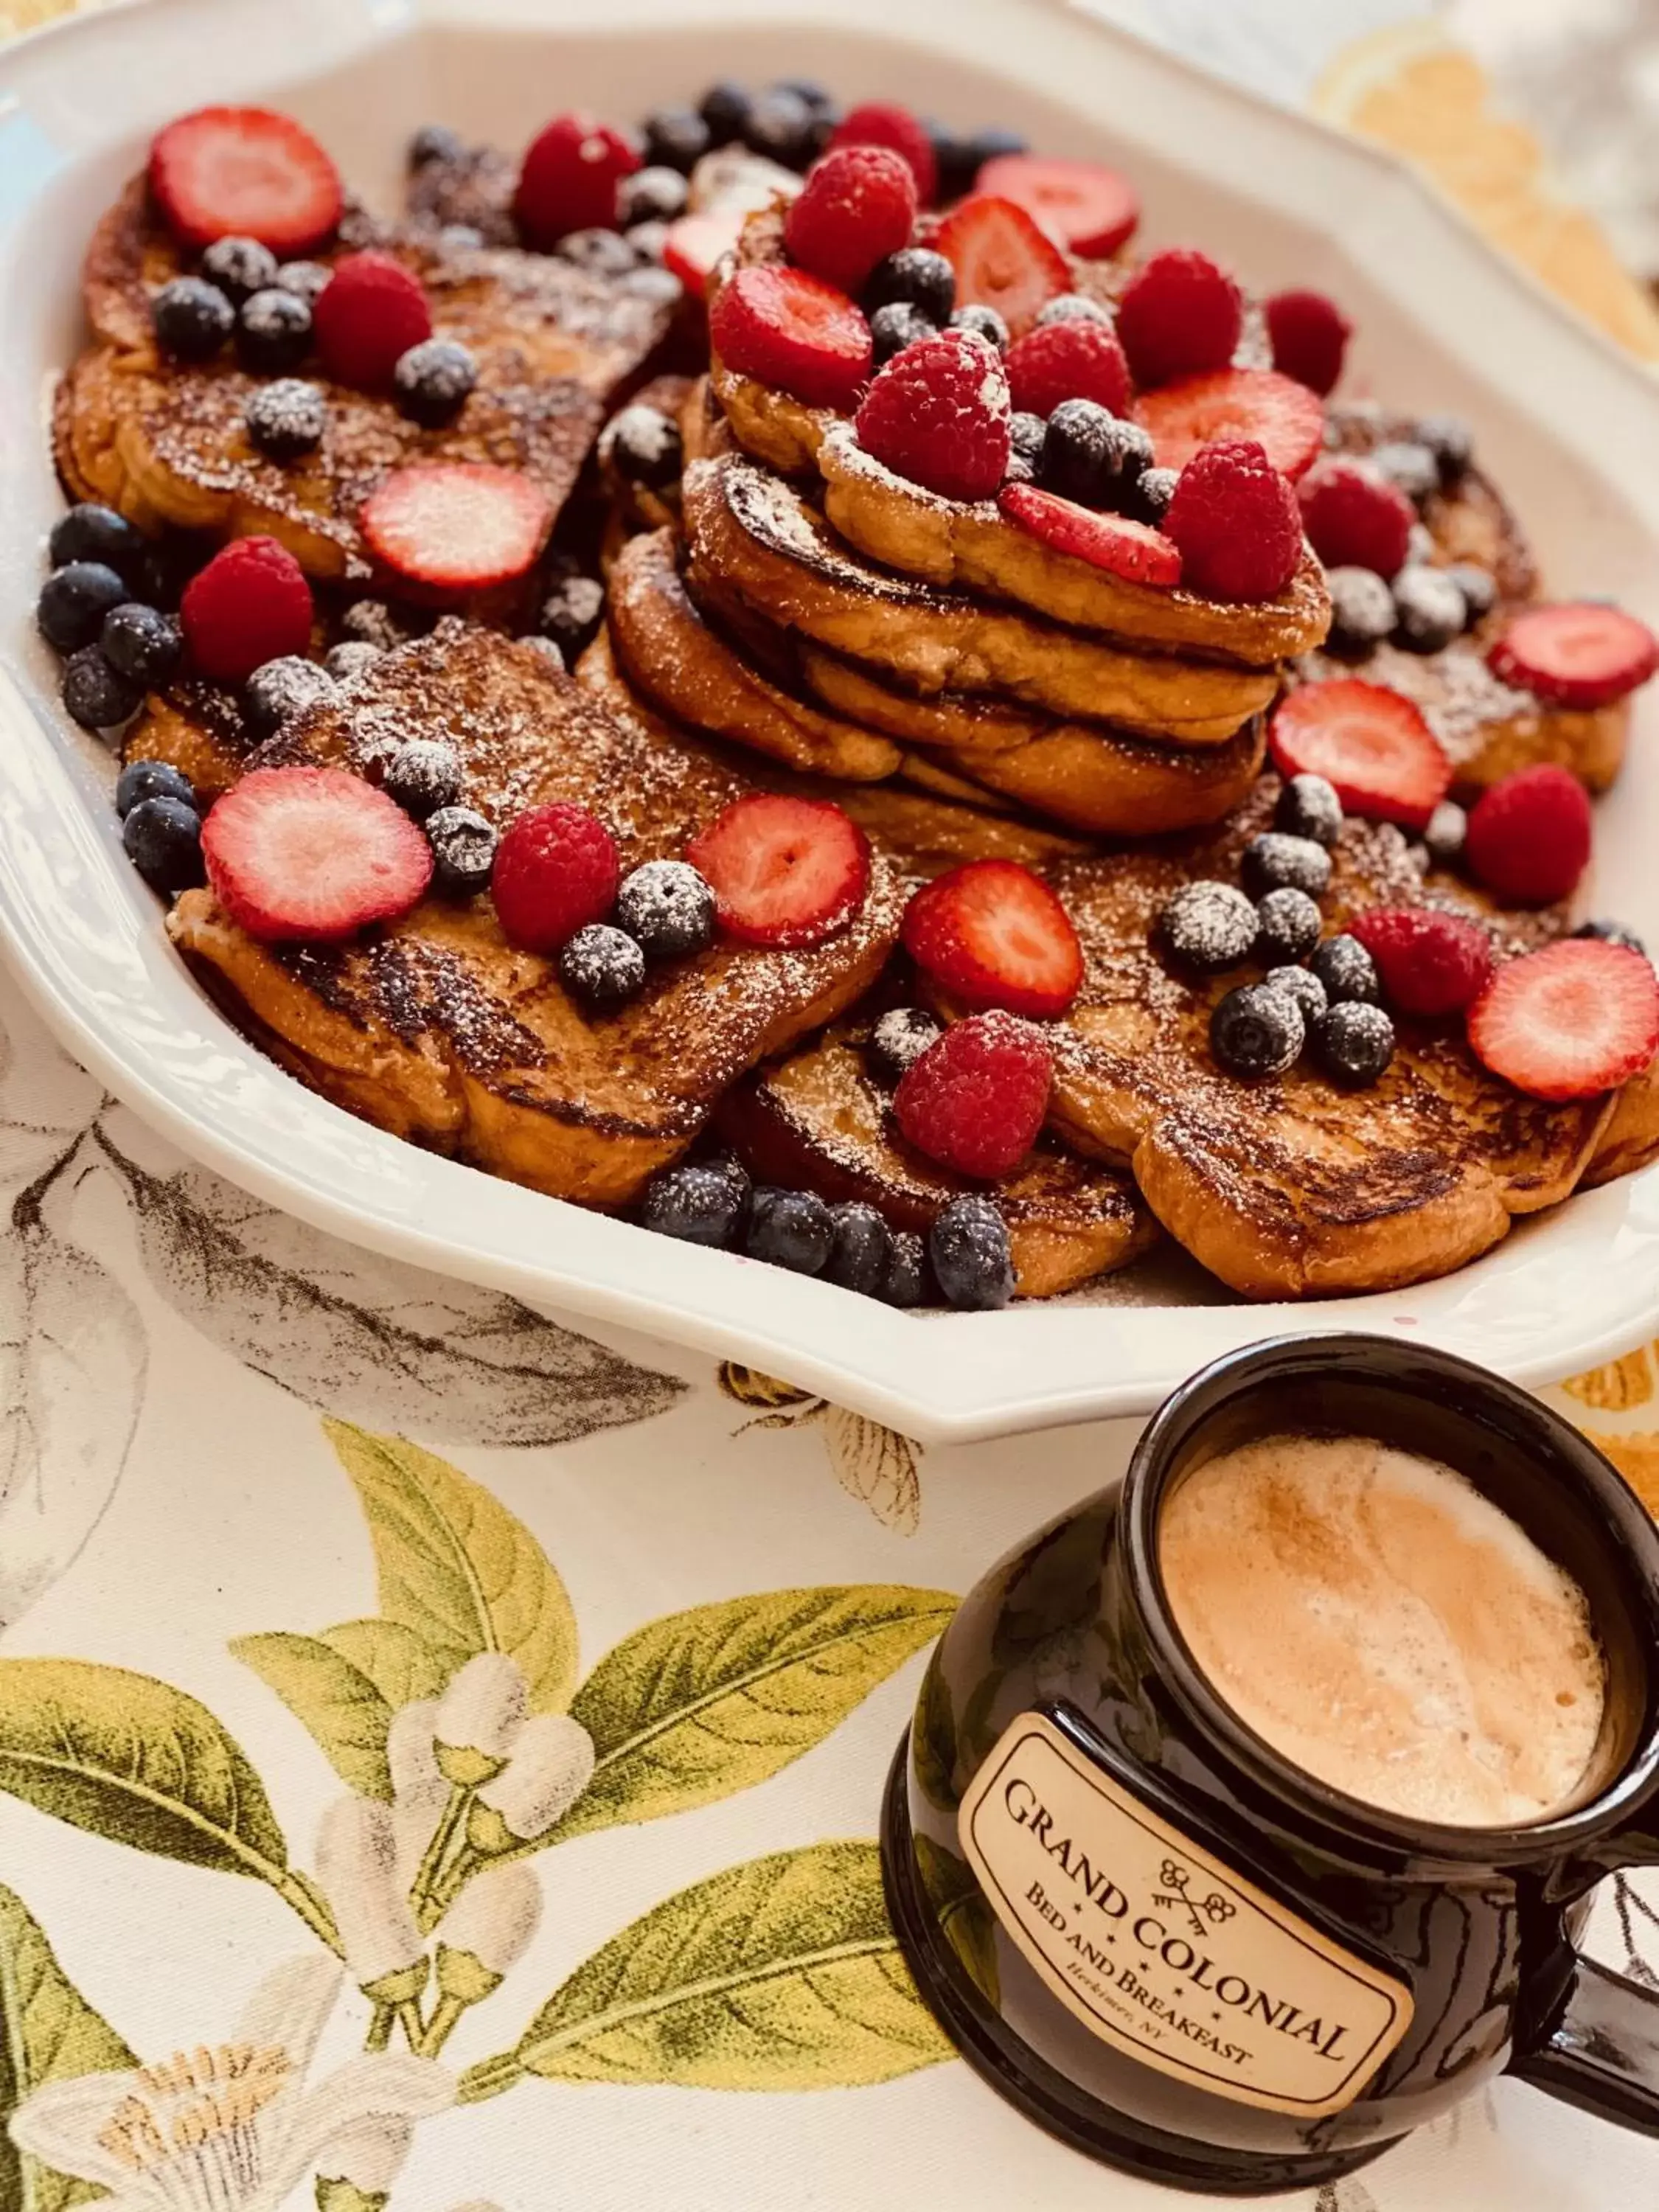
<point x="602" y="966"/>
<point x="1027" y="435"/>
<point x="1276" y="857"/>
<point x="571" y="614"/>
<point x="1362" y="608"/>
<point x="432" y="381"/>
<point x="273" y="332"/>
<point x="423" y="774"/>
<point x="1209" y="926"/>
<point x="162" y="838"/>
<point x="1155" y="489"/>
<point x="458" y="526"/>
<point x="857" y="207"/>
<point x="247" y="172"/>
<point x="1528" y="836"/>
<point x="1282" y="416"/>
<point x="1074" y="307"/>
<point x="972" y="1258"/>
<point x="1093" y="456"/>
<point x="1309" y="807"/>
<point x="1068" y="361"/>
<point x="1370" y="743"/>
<point x="250" y="605"/>
<point x="192" y="319"/>
<point x="239" y="267"/>
<point x="74" y="601"/>
<point x="96" y="695"/>
<point x="1479" y="587"/>
<point x="1451" y="441"/>
<point x="1309" y="335"/>
<point x="1303" y="986"/>
<point x="937" y="415"/>
<point x="879" y="123"/>
<point x="1445" y="832"/>
<point x="1355" y="518"/>
<point x="463" y="849"/>
<point x="304" y="279"/>
<point x="861" y="1253"/>
<point x="975" y="1100"/>
<point x="675" y="138"/>
<point x="1257" y="1031"/>
<point x="1577" y="653"/>
<point x="697" y="244"/>
<point x="312" y="853"/>
<point x="792" y="1228"/>
<point x="1002" y="260"/>
<point x="917" y="274"/>
<point x="556" y="871"/>
<point x="1291" y="923"/>
<point x="698" y="1204"/>
<point x="434" y="141"/>
<point x="570" y="178"/>
<point x="1180" y="316"/>
<point x="282" y="689"/>
<point x="907" y="1271"/>
<point x="148" y="778"/>
<point x="286" y="419"/>
<point x="900" y="1038"/>
<point x="1345" y="970"/>
<point x="1430" y="962"/>
<point x="350" y="659"/>
<point x="994" y="935"/>
<point x="725" y="111"/>
<point x="1113" y="542"/>
<point x="1576" y="1018"/>
<point x="784" y="870"/>
<point x="657" y="194"/>
<point x="669" y="909"/>
<point x="1409" y="467"/>
<point x="962" y="161"/>
<point x="894" y="327"/>
<point x="91" y="532"/>
<point x="367" y="317"/>
<point x="1429" y="608"/>
<point x="984" y="322"/>
<point x="1090" y="211"/>
<point x="1353" y="1042"/>
<point x="1234" y="517"/>
<point x="783" y="128"/>
<point x="601" y="252"/>
<point x="786" y="328"/>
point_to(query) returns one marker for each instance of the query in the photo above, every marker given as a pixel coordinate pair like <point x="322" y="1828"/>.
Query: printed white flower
<point x="357" y="1866"/>
<point x="231" y="2127"/>
<point x="488" y="1928"/>
<point x="414" y="1817"/>
<point x="479" y="1716"/>
<point x="369" y="2156"/>
<point x="552" y="1764"/>
<point x="410" y="1748"/>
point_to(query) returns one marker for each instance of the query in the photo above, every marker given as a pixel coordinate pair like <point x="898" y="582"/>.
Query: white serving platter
<point x="1568" y="425"/>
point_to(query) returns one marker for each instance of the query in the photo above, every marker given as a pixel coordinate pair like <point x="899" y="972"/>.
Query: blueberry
<point x="192" y="319"/>
<point x="1346" y="970"/>
<point x="1093" y="456"/>
<point x="782" y="126"/>
<point x="817" y="96"/>
<point x="423" y="776"/>
<point x="1479" y="587"/>
<point x="464" y="849"/>
<point x="1429" y="608"/>
<point x="1274" y="858"/>
<point x="163" y="840"/>
<point x="279" y="689"/>
<point x="149" y="779"/>
<point x="1409" y="466"/>
<point x="141" y="643"/>
<point x="605" y="252"/>
<point x="655" y="194"/>
<point x="602" y="966"/>
<point x="1309" y="807"/>
<point x="1353" y="1041"/>
<point x="900" y="1038"/>
<point x="352" y="658"/>
<point x="273" y="332"/>
<point x="958" y="159"/>
<point x="1448" y="826"/>
<point x="93" y="533"/>
<point x="729" y="1166"/>
<point x="1362" y="608"/>
<point x="985" y="323"/>
<point x="907" y="1270"/>
<point x="1155" y="491"/>
<point x="286" y="418"/>
<point x="73" y="602"/>
<point x="1209" y="926"/>
<point x="675" y="138"/>
<point x="861" y="1253"/>
<point x="657" y="286"/>
<point x="792" y="1228"/>
<point x="993" y="142"/>
<point x="696" y="1203"/>
<point x="304" y="279"/>
<point x="1257" y="1031"/>
<point x="1302" y="985"/>
<point x="435" y="141"/>
<point x="895" y="326"/>
<point x="433" y="379"/>
<point x="1451" y="441"/>
<point x="1073" y="307"/>
<point x="669" y="908"/>
<point x="374" y="622"/>
<point x="1291" y="924"/>
<point x="973" y="1263"/>
<point x="915" y="274"/>
<point x="570" y="614"/>
<point x="1025" y="435"/>
<point x="643" y="446"/>
<point x="239" y="267"/>
<point x="1611" y="933"/>
<point x="544" y="649"/>
<point x="725" y="111"/>
<point x="97" y="695"/>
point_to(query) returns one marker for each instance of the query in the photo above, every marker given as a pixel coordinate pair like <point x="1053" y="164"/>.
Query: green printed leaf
<point x="336" y="1701"/>
<point x="48" y="2032"/>
<point x="702" y="1703"/>
<point x="781" y="1974"/>
<point x="402" y="1665"/>
<point x="964" y="1913"/>
<point x="456" y="1567"/>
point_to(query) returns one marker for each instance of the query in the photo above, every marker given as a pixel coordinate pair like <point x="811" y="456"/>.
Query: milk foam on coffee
<point x="1386" y="1627"/>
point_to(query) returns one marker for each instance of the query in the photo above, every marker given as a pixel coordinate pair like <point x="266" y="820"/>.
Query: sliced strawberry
<point x="245" y="172"/>
<point x="995" y="935"/>
<point x="787" y="328"/>
<point x="697" y="244"/>
<point x="975" y="1099"/>
<point x="313" y="853"/>
<point x="1579" y="1018"/>
<point x="785" y="872"/>
<point x="1285" y="418"/>
<point x="458" y="526"/>
<point x="1002" y="259"/>
<point x="1371" y="744"/>
<point x="1089" y="209"/>
<point x="1576" y="654"/>
<point x="1114" y="542"/>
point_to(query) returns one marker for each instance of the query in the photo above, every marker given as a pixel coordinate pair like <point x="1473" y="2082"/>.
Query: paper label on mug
<point x="1160" y="1949"/>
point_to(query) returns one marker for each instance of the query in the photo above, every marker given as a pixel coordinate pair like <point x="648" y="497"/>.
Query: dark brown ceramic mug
<point x="1182" y="1954"/>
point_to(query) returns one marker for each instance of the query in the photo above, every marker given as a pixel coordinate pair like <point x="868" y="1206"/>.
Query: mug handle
<point x="1604" y="2053"/>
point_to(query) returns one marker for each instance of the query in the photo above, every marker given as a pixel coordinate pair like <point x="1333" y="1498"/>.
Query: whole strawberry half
<point x="789" y="328"/>
<point x="993" y="934"/>
<point x="785" y="872"/>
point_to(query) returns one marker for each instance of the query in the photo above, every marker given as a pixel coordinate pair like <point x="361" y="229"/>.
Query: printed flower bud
<point x="414" y="1818"/>
<point x="488" y="1930"/>
<point x="368" y="2157"/>
<point x="552" y="1764"/>
<point x="479" y="1717"/>
<point x="410" y="1751"/>
<point x="357" y="1866"/>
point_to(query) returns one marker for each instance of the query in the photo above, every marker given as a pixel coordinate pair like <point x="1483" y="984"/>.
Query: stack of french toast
<point x="774" y="671"/>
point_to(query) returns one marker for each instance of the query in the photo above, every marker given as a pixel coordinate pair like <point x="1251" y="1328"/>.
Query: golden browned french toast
<point x="439" y="1030"/>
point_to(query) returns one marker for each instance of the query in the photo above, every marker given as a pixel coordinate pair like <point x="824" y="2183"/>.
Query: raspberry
<point x="937" y="415"/>
<point x="367" y="316"/>
<point x="1179" y="316"/>
<point x="556" y="871"/>
<point x="1529" y="838"/>
<point x="570" y="178"/>
<point x="1068" y="361"/>
<point x="250" y="605"/>
<point x="1234" y="520"/>
<point x="792" y="330"/>
<point x="1431" y="962"/>
<point x="858" y="206"/>
<point x="976" y="1100"/>
<point x="881" y="123"/>
<point x="1309" y="335"/>
<point x="1355" y="518"/>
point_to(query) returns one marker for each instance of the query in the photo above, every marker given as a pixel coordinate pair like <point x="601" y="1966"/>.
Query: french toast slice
<point x="439" y="1030"/>
<point x="821" y="1120"/>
